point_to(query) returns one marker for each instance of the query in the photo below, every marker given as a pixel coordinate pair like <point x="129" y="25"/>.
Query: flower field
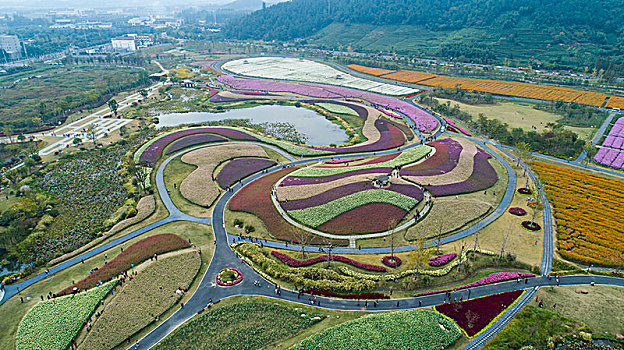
<point x="363" y="296"/>
<point x="287" y="68"/>
<point x="133" y="255"/>
<point x="612" y="151"/>
<point x="588" y="212"/>
<point x="483" y="176"/>
<point x="149" y="294"/>
<point x="424" y="121"/>
<point x="240" y="168"/>
<point x="475" y="315"/>
<point x="229" y="276"/>
<point x="413" y="330"/>
<point x="443" y="161"/>
<point x="198" y="187"/>
<point x="193" y="140"/>
<point x="390" y="137"/>
<point x="53" y="324"/>
<point x="491" y="278"/>
<point x="255" y="199"/>
<point x="368" y="218"/>
<point x="368" y="70"/>
<point x="499" y="87"/>
<point x="242" y="326"/>
<point x="292" y="262"/>
<point x="318" y="215"/>
<point x="442" y="259"/>
<point x="303" y="277"/>
<point x="615" y="102"/>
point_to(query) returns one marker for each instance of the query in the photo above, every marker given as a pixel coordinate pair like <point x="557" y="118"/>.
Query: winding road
<point x="224" y="257"/>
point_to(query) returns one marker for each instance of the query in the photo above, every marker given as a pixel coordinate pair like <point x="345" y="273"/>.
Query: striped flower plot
<point x="350" y="198"/>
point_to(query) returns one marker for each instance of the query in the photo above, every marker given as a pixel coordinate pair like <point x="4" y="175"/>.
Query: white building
<point x="11" y="44"/>
<point x="124" y="43"/>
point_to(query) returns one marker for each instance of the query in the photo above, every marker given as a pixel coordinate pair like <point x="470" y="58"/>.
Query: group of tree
<point x="555" y="140"/>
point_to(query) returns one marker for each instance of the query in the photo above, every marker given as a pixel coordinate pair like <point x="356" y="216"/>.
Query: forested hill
<point x="570" y="23"/>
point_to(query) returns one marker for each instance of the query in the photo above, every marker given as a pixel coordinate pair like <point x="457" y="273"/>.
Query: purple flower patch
<point x="491" y="278"/>
<point x="524" y="190"/>
<point x="444" y="160"/>
<point x="531" y="226"/>
<point x="305" y="180"/>
<point x="442" y="259"/>
<point x="483" y="176"/>
<point x="391" y="137"/>
<point x="193" y="140"/>
<point x="240" y="168"/>
<point x="517" y="211"/>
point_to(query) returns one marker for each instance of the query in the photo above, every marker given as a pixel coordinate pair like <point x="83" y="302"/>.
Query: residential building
<point x="11" y="45"/>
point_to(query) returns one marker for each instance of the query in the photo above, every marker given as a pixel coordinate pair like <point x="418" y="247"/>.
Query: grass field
<point x="13" y="311"/>
<point x="23" y="100"/>
<point x="175" y="172"/>
<point x="597" y="309"/>
<point x="519" y="115"/>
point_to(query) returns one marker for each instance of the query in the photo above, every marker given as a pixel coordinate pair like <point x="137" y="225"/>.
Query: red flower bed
<point x="525" y="191"/>
<point x="404" y="128"/>
<point x="531" y="226"/>
<point x="485" y="309"/>
<point x="290" y="261"/>
<point x="134" y="254"/>
<point x="391" y="261"/>
<point x="240" y="168"/>
<point x="517" y="211"/>
<point x="255" y="199"/>
<point x="368" y="218"/>
<point x="348" y="296"/>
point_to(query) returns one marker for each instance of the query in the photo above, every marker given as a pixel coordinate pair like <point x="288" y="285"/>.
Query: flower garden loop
<point x="525" y="191"/>
<point x="517" y="211"/>
<point x="235" y="275"/>
<point x="391" y="261"/>
<point x="531" y="226"/>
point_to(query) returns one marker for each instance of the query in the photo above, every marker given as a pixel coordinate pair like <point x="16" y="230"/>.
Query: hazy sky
<point x="104" y="3"/>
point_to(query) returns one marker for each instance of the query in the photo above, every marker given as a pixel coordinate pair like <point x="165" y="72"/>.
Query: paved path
<point x="224" y="256"/>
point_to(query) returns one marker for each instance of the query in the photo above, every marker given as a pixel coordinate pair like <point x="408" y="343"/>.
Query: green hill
<point x="556" y="34"/>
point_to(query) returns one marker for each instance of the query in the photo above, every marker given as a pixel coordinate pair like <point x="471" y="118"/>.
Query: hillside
<point x="558" y="34"/>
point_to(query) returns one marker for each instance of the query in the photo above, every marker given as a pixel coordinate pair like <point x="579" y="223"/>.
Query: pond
<point x="318" y="130"/>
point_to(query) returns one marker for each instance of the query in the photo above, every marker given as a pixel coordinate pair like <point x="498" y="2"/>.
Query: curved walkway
<point x="224" y="256"/>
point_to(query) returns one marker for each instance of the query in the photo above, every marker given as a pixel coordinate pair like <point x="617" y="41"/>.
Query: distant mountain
<point x="252" y="5"/>
<point x="560" y="33"/>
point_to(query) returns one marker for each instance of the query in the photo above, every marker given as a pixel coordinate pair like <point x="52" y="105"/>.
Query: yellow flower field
<point x="588" y="212"/>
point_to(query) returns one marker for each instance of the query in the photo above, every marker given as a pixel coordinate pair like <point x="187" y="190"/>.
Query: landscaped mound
<point x="229" y="276"/>
<point x="292" y="262"/>
<point x="531" y="226"/>
<point x="473" y="316"/>
<point x="54" y="323"/>
<point x="198" y="187"/>
<point x="242" y="326"/>
<point x="255" y="198"/>
<point x="240" y="168"/>
<point x="343" y="199"/>
<point x="391" y="261"/>
<point x="517" y="211"/>
<point x="149" y="294"/>
<point x="414" y="330"/>
<point x="133" y="255"/>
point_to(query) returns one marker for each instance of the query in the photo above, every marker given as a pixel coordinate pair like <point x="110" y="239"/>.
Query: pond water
<point x="318" y="130"/>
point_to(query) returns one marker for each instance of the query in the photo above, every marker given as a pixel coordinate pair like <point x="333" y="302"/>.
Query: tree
<point x="29" y="163"/>
<point x="472" y="318"/>
<point x="419" y="256"/>
<point x="8" y="132"/>
<point x="537" y="199"/>
<point x="590" y="150"/>
<point x="112" y="105"/>
<point x="21" y="137"/>
<point x="91" y="133"/>
<point x="143" y="92"/>
<point x="140" y="173"/>
<point x="12" y="176"/>
<point x="76" y="141"/>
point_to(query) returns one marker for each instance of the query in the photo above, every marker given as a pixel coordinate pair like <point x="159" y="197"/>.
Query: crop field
<point x="81" y="83"/>
<point x="498" y="87"/>
<point x="286" y="68"/>
<point x="199" y="187"/>
<point x="242" y="326"/>
<point x="414" y="330"/>
<point x="148" y="295"/>
<point x="52" y="324"/>
<point x="587" y="213"/>
<point x="133" y="255"/>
